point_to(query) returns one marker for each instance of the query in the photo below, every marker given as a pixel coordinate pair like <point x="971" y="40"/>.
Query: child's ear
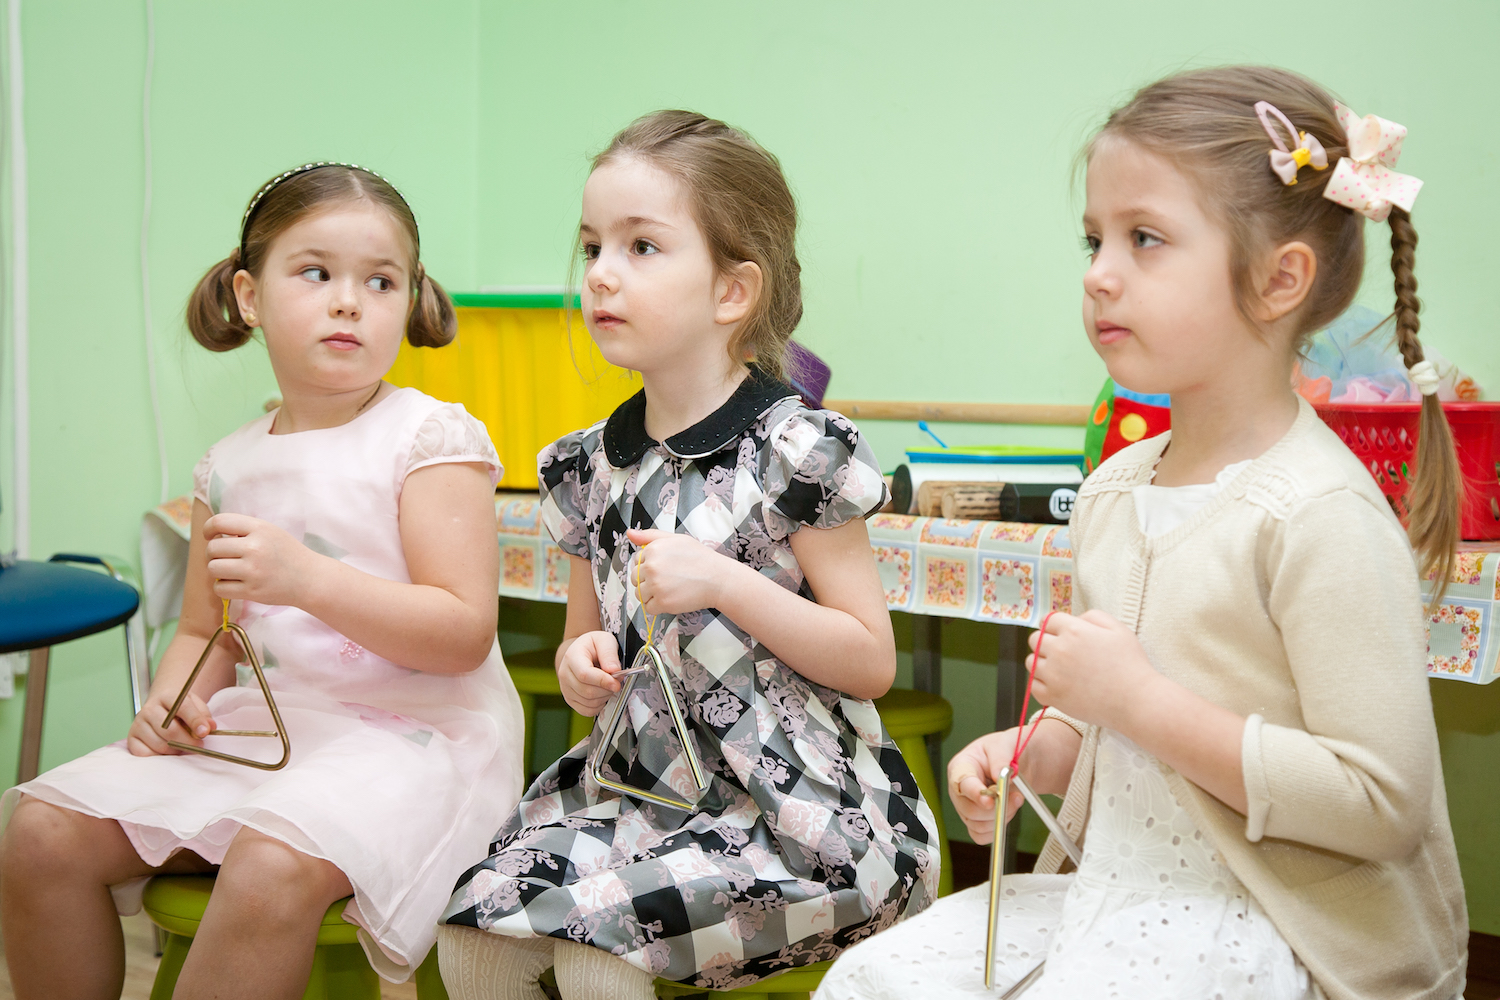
<point x="1289" y="277"/>
<point x="736" y="292"/>
<point x="244" y="296"/>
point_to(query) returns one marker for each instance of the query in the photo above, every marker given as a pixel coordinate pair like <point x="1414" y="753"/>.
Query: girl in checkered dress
<point x="716" y="517"/>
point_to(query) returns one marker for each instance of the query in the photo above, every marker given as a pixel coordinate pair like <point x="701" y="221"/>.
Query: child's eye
<point x="381" y="283"/>
<point x="1090" y="245"/>
<point x="590" y="251"/>
<point x="1144" y="241"/>
<point x="643" y="248"/>
<point x="314" y="274"/>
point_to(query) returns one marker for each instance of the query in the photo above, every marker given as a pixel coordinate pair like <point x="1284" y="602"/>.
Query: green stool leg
<point x="579" y="727"/>
<point x="174" y="949"/>
<point x="914" y="749"/>
<point x="346" y="973"/>
<point x="430" y="980"/>
<point x="317" y="979"/>
<point x="339" y="972"/>
<point x="528" y="717"/>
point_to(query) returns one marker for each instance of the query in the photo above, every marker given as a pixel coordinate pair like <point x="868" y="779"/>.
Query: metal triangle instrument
<point x="241" y="637"/>
<point x="648" y="665"/>
<point x="1001" y="791"/>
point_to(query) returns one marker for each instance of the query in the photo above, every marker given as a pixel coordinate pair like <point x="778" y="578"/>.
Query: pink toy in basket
<point x="1384" y="437"/>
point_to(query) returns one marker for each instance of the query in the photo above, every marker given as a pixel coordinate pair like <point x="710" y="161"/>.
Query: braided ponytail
<point x="1433" y="523"/>
<point x="213" y="313"/>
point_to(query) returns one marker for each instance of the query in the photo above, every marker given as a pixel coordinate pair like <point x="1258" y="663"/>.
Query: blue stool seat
<point x="46" y="603"/>
<point x="42" y="604"/>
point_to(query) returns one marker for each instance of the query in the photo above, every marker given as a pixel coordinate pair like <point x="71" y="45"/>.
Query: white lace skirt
<point x="1152" y="914"/>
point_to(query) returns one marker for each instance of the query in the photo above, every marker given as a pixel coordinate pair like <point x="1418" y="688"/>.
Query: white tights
<point x="477" y="965"/>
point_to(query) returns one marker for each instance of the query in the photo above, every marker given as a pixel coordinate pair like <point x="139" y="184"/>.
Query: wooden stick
<point x="1056" y="414"/>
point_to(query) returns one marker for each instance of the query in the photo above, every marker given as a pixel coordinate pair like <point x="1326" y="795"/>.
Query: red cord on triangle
<point x="1026" y="734"/>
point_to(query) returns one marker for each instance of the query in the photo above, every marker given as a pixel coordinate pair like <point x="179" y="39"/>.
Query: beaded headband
<point x="279" y="179"/>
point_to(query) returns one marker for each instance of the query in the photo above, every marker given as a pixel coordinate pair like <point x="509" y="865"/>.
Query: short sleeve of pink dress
<point x="397" y="776"/>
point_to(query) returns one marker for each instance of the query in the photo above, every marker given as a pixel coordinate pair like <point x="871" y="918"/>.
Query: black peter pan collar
<point x="626" y="440"/>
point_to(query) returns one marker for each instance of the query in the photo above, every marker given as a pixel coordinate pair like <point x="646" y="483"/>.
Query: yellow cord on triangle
<point x="226" y="613"/>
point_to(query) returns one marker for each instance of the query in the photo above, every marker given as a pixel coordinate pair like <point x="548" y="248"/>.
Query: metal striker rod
<point x="1053" y="826"/>
<point x="997" y="866"/>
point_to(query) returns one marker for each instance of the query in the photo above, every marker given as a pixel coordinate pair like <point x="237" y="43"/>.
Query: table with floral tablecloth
<point x="1013" y="574"/>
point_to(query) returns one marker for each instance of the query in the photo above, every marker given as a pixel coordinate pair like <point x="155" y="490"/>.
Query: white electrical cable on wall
<point x="161" y="433"/>
<point x="20" y="388"/>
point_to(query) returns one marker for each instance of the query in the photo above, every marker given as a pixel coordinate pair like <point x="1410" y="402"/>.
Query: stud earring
<point x="249" y="319"/>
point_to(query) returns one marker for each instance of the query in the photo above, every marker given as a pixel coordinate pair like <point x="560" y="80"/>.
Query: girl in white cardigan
<point x="1239" y="712"/>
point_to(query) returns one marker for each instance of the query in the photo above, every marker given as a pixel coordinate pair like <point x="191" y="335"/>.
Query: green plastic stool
<point x="176" y="903"/>
<point x="794" y="984"/>
<point x="910" y="717"/>
<point x="535" y="678"/>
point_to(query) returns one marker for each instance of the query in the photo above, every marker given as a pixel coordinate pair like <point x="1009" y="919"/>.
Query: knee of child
<point x="41" y="841"/>
<point x="267" y="880"/>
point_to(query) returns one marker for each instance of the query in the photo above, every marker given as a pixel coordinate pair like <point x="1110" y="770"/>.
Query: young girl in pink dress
<point x="351" y="530"/>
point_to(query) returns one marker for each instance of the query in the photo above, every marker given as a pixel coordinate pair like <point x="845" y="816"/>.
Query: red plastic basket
<point x="1384" y="437"/>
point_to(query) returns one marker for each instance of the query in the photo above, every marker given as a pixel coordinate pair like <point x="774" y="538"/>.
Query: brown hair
<point x="741" y="201"/>
<point x="1205" y="121"/>
<point x="213" y="314"/>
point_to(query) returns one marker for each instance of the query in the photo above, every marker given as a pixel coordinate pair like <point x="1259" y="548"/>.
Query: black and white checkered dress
<point x="811" y="835"/>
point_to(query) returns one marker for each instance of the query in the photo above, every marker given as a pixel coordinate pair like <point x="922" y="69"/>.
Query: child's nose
<point x="345" y="301"/>
<point x="602" y="275"/>
<point x="1101" y="280"/>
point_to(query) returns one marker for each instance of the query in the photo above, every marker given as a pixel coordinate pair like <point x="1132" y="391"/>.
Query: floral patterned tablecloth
<point x="1013" y="574"/>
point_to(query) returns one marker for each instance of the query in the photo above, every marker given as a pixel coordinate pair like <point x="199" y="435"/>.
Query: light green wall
<point x="929" y="147"/>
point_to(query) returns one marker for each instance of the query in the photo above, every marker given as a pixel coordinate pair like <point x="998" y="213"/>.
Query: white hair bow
<point x="1364" y="180"/>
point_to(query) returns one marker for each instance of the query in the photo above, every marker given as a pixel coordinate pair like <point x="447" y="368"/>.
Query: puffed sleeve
<point x="203" y="481"/>
<point x="561" y="469"/>
<point x="449" y="434"/>
<point x="818" y="471"/>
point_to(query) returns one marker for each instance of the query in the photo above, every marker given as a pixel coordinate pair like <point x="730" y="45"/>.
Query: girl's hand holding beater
<point x="586" y="672"/>
<point x="1046" y="765"/>
<point x="193" y="722"/>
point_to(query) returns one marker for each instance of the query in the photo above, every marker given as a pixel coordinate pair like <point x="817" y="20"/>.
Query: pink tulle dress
<point x="398" y="777"/>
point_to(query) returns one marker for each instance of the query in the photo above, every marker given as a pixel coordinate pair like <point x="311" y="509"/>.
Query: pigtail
<point x="1433" y="524"/>
<point x="433" y="322"/>
<point x="213" y="313"/>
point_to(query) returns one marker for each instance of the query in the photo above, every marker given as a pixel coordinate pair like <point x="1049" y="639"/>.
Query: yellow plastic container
<point x="513" y="367"/>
